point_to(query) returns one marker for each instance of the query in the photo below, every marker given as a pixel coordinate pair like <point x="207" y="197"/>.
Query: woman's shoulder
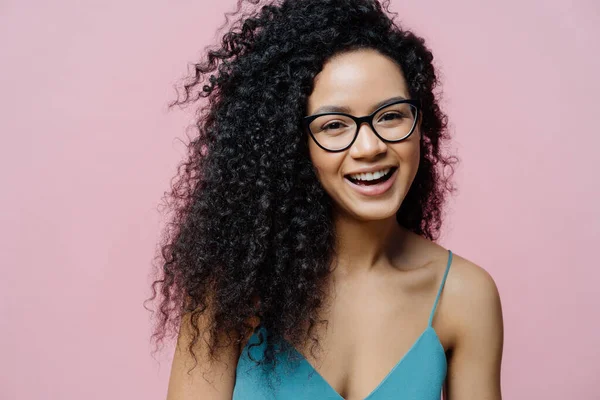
<point x="466" y="281"/>
<point x="471" y="300"/>
<point x="473" y="323"/>
<point x="469" y="284"/>
<point x="470" y="297"/>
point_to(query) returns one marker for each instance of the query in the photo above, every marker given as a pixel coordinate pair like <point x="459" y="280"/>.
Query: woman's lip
<point x="373" y="190"/>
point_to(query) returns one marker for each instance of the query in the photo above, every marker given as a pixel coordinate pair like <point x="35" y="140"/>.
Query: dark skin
<point x="381" y="292"/>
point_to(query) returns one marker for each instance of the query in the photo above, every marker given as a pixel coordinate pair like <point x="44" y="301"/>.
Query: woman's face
<point x="355" y="83"/>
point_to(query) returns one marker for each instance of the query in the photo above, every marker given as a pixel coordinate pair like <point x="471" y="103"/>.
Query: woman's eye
<point x="333" y="126"/>
<point x="391" y="116"/>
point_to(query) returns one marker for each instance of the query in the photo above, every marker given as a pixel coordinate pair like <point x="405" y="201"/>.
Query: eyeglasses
<point x="337" y="131"/>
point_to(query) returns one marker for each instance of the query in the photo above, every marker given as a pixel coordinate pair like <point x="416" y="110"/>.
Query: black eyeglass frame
<point x="360" y="120"/>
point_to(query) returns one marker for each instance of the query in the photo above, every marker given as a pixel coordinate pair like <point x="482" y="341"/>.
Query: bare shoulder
<point x="475" y="330"/>
<point x="472" y="302"/>
<point x="471" y="283"/>
<point x="198" y="375"/>
<point x="470" y="299"/>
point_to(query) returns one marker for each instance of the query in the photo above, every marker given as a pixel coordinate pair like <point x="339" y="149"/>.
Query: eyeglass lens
<point x="393" y="122"/>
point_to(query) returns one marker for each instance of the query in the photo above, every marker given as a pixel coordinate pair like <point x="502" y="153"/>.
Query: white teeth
<point x="370" y="176"/>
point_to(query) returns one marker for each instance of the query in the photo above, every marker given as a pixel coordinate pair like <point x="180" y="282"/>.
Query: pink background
<point x="88" y="150"/>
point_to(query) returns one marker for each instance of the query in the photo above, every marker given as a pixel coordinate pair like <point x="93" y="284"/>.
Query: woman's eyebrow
<point x="344" y="109"/>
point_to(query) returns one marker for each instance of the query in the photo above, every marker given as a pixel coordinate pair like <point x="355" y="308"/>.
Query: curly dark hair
<point x="250" y="220"/>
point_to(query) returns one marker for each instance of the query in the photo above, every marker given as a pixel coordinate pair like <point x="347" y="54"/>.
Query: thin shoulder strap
<point x="437" y="298"/>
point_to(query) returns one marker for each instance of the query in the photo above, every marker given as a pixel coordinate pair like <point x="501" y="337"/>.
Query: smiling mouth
<point x="373" y="181"/>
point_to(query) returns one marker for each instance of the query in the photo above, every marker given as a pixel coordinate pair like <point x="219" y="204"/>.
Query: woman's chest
<point x="366" y="335"/>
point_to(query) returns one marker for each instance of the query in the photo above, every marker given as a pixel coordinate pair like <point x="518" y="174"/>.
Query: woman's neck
<point x="364" y="245"/>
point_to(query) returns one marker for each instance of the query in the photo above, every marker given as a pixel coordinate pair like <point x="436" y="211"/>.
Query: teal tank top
<point x="418" y="375"/>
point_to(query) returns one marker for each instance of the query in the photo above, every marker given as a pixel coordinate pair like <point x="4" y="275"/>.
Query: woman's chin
<point x="373" y="212"/>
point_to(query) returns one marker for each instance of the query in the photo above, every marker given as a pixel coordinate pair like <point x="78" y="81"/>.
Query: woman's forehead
<point x="356" y="80"/>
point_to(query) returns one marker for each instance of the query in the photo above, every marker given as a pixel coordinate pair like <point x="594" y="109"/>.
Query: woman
<point x="301" y="262"/>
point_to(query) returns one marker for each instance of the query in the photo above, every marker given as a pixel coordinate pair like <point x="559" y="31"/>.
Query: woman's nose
<point x="367" y="144"/>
